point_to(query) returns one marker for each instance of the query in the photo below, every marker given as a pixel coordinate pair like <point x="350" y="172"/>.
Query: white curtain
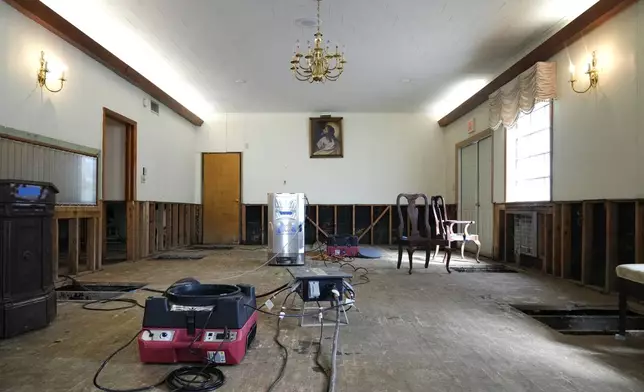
<point x="538" y="83"/>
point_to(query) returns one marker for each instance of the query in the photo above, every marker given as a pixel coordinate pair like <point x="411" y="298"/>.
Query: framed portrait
<point x="326" y="137"/>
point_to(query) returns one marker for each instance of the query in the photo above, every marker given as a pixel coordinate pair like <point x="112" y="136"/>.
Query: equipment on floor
<point x="196" y="322"/>
<point x="321" y="285"/>
<point x="286" y="213"/>
<point x="317" y="284"/>
<point x="342" y="246"/>
<point x="27" y="296"/>
<point x="369" y="253"/>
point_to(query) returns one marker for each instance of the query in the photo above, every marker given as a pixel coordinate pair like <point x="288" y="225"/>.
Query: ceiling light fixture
<point x="319" y="63"/>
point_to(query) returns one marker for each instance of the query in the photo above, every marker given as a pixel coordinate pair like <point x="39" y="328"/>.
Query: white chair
<point x="630" y="283"/>
<point x="440" y="213"/>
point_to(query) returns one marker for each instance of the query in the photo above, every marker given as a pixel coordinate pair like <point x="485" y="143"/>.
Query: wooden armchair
<point x="414" y="240"/>
<point x="448" y="230"/>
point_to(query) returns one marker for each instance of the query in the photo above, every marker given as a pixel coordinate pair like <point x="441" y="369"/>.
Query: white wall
<point x="597" y="136"/>
<point x="384" y="154"/>
<point x="166" y="143"/>
<point x="598" y="140"/>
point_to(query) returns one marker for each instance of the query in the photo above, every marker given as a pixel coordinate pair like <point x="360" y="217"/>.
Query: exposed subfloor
<point x="429" y="331"/>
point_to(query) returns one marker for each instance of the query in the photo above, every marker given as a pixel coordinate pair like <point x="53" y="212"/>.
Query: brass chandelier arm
<point x="302" y="71"/>
<point x="333" y="78"/>
<point x="300" y="77"/>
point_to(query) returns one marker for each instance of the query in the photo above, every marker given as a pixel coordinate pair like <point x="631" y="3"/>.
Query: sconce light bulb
<point x="572" y="69"/>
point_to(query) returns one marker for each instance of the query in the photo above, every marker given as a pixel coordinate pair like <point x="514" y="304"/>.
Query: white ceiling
<point x="198" y="50"/>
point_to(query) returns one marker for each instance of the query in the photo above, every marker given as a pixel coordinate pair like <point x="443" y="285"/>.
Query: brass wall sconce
<point x="592" y="72"/>
<point x="42" y="75"/>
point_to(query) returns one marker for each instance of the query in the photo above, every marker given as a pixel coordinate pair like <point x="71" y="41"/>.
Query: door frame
<point x="131" y="137"/>
<point x="241" y="182"/>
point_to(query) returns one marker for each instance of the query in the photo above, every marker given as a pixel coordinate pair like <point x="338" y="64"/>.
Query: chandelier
<point x="318" y="64"/>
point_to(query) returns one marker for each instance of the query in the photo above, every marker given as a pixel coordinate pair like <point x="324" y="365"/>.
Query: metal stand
<point x="311" y="319"/>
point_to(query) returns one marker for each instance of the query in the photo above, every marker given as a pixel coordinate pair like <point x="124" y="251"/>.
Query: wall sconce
<point x="592" y="72"/>
<point x="42" y="75"/>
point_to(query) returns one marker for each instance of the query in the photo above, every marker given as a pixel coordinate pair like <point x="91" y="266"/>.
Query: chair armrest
<point x="458" y="222"/>
<point x="451" y="223"/>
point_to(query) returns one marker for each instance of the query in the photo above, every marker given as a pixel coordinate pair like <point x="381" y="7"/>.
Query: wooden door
<point x="221" y="198"/>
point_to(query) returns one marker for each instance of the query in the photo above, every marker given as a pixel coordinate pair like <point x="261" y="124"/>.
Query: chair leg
<point x="400" y="252"/>
<point x="463" y="250"/>
<point x="478" y="250"/>
<point x="448" y="252"/>
<point x="435" y="252"/>
<point x="623" y="308"/>
<point x="427" y="256"/>
<point x="410" y="253"/>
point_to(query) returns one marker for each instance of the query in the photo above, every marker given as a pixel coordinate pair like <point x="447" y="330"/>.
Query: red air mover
<point x="196" y="322"/>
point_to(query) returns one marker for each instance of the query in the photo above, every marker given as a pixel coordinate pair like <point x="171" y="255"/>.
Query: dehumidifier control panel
<point x="219" y="336"/>
<point x="154" y="335"/>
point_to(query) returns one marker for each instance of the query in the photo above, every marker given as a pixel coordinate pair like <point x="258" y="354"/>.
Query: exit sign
<point x="471" y="126"/>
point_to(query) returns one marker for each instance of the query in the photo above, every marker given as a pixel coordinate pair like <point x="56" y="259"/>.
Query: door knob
<point x="236" y="200"/>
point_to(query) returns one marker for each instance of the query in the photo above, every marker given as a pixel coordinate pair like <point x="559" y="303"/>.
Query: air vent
<point x="525" y="233"/>
<point x="154" y="107"/>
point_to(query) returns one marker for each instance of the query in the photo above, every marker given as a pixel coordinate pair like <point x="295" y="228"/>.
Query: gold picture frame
<point x="326" y="137"/>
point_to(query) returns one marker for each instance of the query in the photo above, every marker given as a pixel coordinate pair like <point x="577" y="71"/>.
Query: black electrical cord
<point x="334" y="353"/>
<point x="285" y="360"/>
<point x="205" y="378"/>
<point x="153" y="290"/>
<point x="317" y="355"/>
<point x="291" y="315"/>
<point x="283" y="347"/>
<point x="364" y="277"/>
<point x="131" y="303"/>
<point x="104" y="363"/>
<point x="274" y="291"/>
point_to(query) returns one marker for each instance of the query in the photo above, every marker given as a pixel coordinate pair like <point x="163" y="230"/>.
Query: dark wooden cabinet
<point x="27" y="294"/>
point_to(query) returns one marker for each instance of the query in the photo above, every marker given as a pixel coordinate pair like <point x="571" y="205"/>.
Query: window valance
<point x="538" y="83"/>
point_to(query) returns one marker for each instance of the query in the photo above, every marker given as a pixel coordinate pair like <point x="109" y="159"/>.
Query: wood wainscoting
<point x="582" y="241"/>
<point x="155" y="226"/>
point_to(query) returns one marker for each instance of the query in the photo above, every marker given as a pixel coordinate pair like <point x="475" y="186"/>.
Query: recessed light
<point x="405" y="80"/>
<point x="240" y="81"/>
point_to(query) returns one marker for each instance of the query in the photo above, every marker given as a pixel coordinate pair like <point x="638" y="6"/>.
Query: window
<point x="528" y="156"/>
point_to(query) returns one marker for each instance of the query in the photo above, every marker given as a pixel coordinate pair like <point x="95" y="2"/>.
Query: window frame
<point x="505" y="162"/>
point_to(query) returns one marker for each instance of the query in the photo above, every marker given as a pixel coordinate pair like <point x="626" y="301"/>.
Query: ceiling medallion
<point x="318" y="64"/>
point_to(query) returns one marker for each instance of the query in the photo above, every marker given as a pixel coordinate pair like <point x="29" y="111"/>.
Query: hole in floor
<point x="582" y="321"/>
<point x="487" y="268"/>
<point x="95" y="291"/>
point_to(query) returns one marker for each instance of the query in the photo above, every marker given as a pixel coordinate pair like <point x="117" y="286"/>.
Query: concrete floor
<point x="426" y="332"/>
